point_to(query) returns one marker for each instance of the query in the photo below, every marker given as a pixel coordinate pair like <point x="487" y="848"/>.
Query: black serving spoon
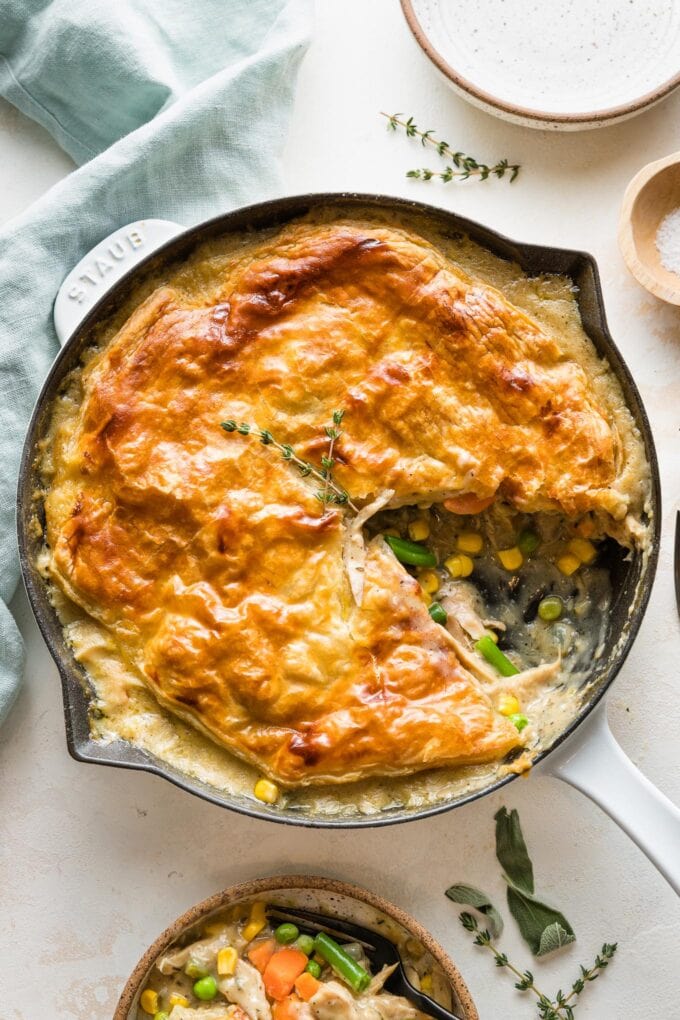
<point x="379" y="950"/>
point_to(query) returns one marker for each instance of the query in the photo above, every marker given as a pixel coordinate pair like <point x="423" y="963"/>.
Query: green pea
<point x="313" y="968"/>
<point x="550" y="608"/>
<point x="305" y="943"/>
<point x="286" y="933"/>
<point x="194" y="969"/>
<point x="438" y="613"/>
<point x="528" y="542"/>
<point x="206" y="988"/>
<point x="519" y="720"/>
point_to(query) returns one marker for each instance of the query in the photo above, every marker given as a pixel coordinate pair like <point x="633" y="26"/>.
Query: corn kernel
<point x="511" y="559"/>
<point x="426" y="597"/>
<point x="568" y="564"/>
<point x="226" y="961"/>
<point x="419" y="530"/>
<point x="582" y="549"/>
<point x="459" y="566"/>
<point x="257" y="919"/>
<point x="266" y="791"/>
<point x="428" y="581"/>
<point x="149" y="1001"/>
<point x="426" y="983"/>
<point x="177" y="1000"/>
<point x="392" y="531"/>
<point x="414" y="948"/>
<point x="508" y="704"/>
<point x="470" y="542"/>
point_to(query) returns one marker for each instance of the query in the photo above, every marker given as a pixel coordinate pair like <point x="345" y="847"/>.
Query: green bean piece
<point x="519" y="720"/>
<point x="528" y="542"/>
<point x="438" y="613"/>
<point x="492" y="653"/>
<point x="314" y="969"/>
<point x="341" y="962"/>
<point x="286" y="933"/>
<point x="161" y="1015"/>
<point x="305" y="943"/>
<point x="412" y="553"/>
<point x="205" y="988"/>
<point x="194" y="969"/>
<point x="550" y="608"/>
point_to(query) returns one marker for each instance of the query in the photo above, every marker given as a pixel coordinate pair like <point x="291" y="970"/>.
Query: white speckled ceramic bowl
<point x="562" y="64"/>
<point x="307" y="892"/>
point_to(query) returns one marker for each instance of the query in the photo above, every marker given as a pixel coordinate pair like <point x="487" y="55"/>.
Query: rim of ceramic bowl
<point x="283" y="883"/>
<point x="542" y="117"/>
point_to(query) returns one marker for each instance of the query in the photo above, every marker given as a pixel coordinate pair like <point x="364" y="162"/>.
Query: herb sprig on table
<point x="562" y="1006"/>
<point x="543" y="928"/>
<point x="461" y="167"/>
<point x="330" y="492"/>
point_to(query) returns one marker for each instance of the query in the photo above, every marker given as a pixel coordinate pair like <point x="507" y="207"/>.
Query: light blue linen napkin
<point x="176" y="110"/>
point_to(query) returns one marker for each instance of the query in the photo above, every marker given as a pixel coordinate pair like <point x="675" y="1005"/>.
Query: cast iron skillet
<point x="632" y="580"/>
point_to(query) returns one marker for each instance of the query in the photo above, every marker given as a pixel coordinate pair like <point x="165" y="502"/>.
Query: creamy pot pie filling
<point x="203" y="565"/>
<point x="254" y="964"/>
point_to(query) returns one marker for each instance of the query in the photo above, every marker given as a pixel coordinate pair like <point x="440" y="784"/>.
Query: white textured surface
<point x="94" y="861"/>
<point x="668" y="241"/>
<point x="561" y="57"/>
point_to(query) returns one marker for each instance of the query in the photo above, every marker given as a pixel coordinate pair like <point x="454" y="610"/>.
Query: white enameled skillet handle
<point x="103" y="266"/>
<point x="592" y="761"/>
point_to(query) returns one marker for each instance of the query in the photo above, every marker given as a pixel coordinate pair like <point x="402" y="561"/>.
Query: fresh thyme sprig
<point x="463" y="166"/>
<point x="331" y="491"/>
<point x="563" y="1006"/>
<point x="327" y="462"/>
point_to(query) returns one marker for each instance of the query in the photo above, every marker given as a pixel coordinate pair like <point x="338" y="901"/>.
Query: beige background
<point x="94" y="862"/>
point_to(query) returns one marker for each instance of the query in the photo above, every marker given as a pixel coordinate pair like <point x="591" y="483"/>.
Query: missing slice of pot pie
<point x="398" y="433"/>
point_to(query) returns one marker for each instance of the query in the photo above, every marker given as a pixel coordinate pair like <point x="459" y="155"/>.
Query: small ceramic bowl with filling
<point x="201" y="967"/>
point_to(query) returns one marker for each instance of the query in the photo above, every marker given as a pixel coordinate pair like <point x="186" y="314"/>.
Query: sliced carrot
<point x="468" y="504"/>
<point x="282" y="970"/>
<point x="287" y="1009"/>
<point x="260" y="953"/>
<point x="306" y="986"/>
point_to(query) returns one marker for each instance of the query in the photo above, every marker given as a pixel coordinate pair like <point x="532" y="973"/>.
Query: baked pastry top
<point x="222" y="578"/>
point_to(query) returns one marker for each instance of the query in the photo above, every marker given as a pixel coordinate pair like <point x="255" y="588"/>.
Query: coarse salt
<point x="668" y="241"/>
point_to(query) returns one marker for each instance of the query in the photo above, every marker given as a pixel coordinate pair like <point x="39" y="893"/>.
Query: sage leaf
<point x="554" y="937"/>
<point x="543" y="928"/>
<point x="511" y="850"/>
<point x="471" y="897"/>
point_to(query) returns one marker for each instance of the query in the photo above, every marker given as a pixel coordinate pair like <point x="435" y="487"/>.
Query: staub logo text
<point x="95" y="272"/>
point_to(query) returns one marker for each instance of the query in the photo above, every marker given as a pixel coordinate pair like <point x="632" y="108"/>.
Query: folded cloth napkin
<point x="176" y="110"/>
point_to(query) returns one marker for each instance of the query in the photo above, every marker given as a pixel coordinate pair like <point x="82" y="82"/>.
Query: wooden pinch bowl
<point x="306" y="892"/>
<point x="651" y="195"/>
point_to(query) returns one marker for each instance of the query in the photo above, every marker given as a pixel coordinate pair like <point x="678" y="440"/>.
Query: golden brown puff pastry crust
<point x="211" y="560"/>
